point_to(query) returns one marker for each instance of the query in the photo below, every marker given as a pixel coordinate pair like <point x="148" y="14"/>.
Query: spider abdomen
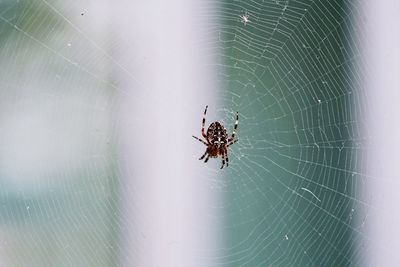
<point x="217" y="135"/>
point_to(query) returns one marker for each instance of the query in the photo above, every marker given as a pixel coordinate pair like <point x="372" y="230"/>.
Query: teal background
<point x="289" y="74"/>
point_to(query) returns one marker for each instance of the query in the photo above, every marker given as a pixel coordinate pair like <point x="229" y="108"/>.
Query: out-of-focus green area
<point x="57" y="185"/>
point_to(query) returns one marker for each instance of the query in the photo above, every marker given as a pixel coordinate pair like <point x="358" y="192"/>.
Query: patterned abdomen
<point x="216" y="134"/>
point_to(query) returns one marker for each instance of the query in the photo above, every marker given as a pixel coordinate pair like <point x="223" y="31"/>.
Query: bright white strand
<point x="305" y="189"/>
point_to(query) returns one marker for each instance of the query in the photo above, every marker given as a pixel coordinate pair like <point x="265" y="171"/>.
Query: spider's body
<point x="217" y="137"/>
<point x="245" y="18"/>
<point x="217" y="140"/>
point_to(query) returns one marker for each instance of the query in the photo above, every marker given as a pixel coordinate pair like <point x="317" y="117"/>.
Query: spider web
<point x="293" y="189"/>
<point x="294" y="182"/>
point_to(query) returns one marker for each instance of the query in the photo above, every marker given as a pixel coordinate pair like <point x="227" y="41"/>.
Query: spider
<point x="245" y="18"/>
<point x="217" y="140"/>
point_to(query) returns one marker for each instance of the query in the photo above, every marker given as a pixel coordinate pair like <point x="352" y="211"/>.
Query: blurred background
<point x="99" y="100"/>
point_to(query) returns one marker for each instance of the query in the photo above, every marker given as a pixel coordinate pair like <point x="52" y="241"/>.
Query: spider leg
<point x="208" y="156"/>
<point x="203" y="123"/>
<point x="232" y="142"/>
<point x="236" y="125"/>
<point x="223" y="159"/>
<point x="199" y="139"/>
<point x="202" y="157"/>
<point x="226" y="156"/>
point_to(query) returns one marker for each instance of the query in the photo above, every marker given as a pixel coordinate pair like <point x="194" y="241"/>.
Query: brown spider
<point x="217" y="140"/>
